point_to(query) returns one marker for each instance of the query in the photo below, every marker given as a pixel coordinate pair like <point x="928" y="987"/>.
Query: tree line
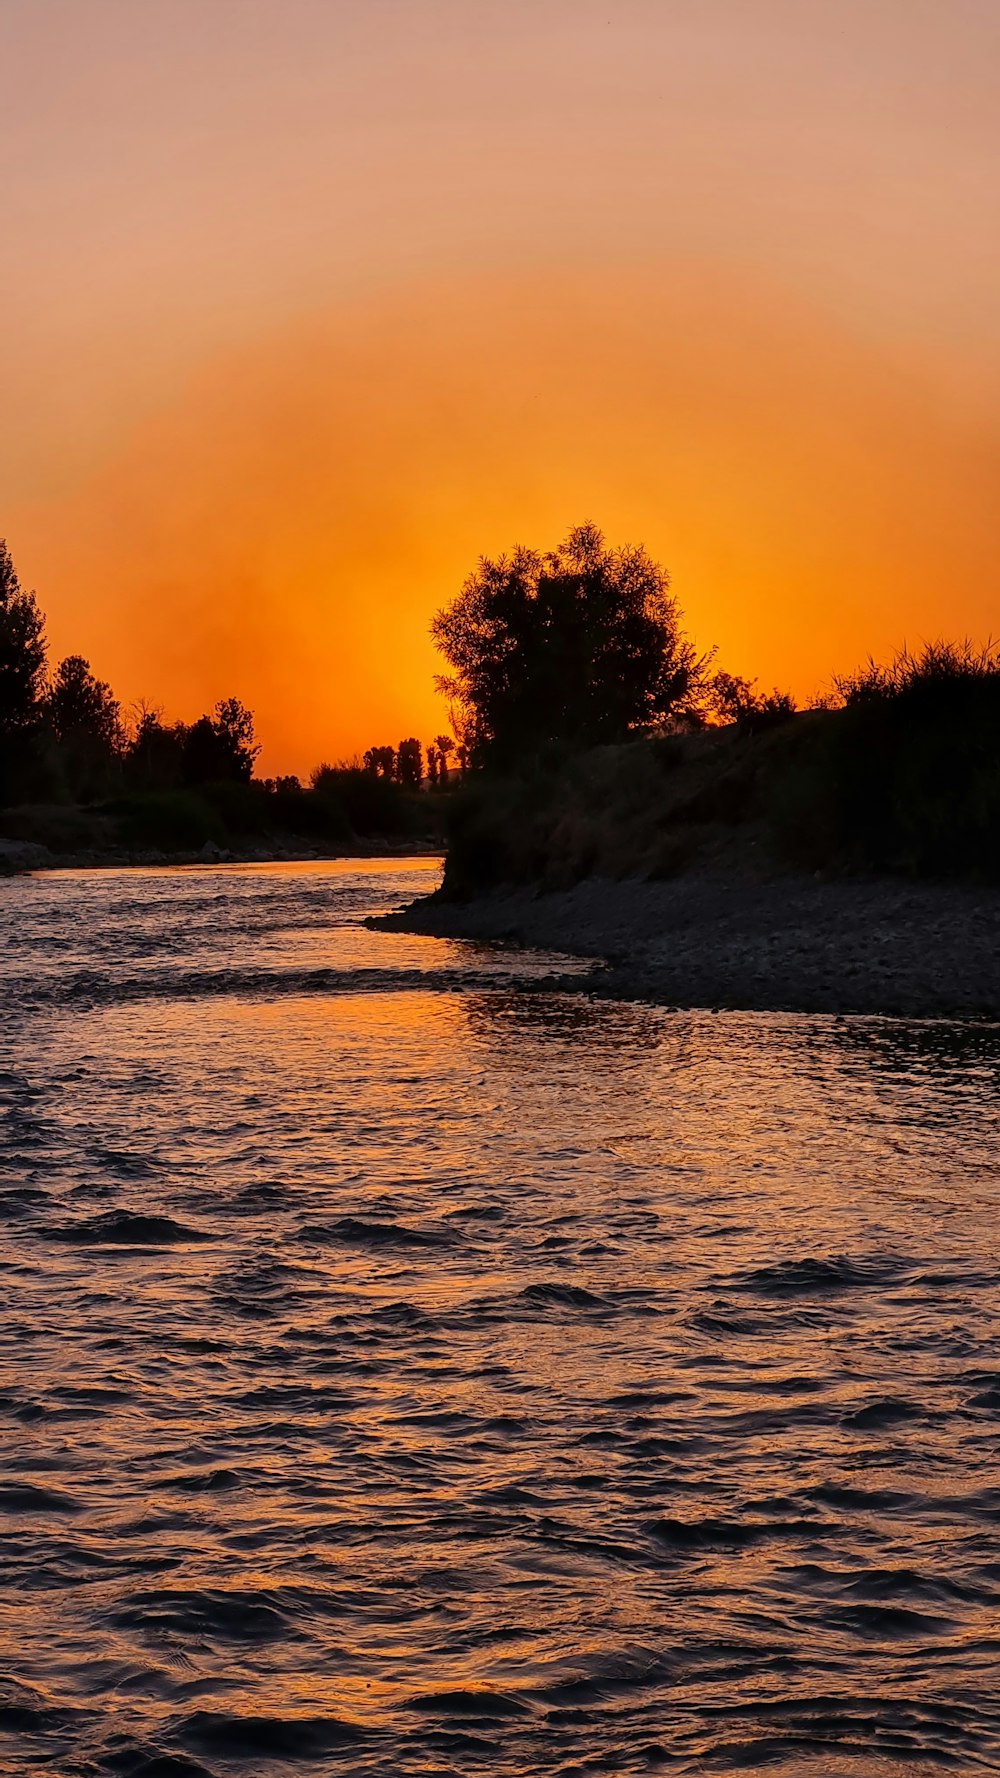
<point x="64" y="733"/>
<point x="406" y="764"/>
<point x="568" y="648"/>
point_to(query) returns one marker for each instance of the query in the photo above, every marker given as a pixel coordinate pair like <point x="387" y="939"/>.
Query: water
<point x="406" y="1369"/>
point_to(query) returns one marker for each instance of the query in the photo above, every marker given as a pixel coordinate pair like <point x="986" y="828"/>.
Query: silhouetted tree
<point x="579" y="646"/>
<point x="444" y="745"/>
<point x="154" y="759"/>
<point x="203" y="759"/>
<point x="234" y="727"/>
<point x="22" y="653"/>
<point x="381" y="762"/>
<point x="82" y="707"/>
<point x="222" y="748"/>
<point x="85" y="718"/>
<point x="432" y="764"/>
<point x="409" y="763"/>
<point x="462" y="756"/>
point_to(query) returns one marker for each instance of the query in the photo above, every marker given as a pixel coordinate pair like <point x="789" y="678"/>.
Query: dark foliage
<point x="74" y="776"/>
<point x="409" y="763"/>
<point x="906" y="776"/>
<point x="730" y="698"/>
<point x="576" y="647"/>
<point x="22" y="652"/>
<point x="220" y="747"/>
<point x="166" y="820"/>
<point x="25" y="768"/>
<point x="379" y="762"/>
<point x="370" y="804"/>
<point x="155" y="755"/>
<point x="85" y="719"/>
<point x="902" y="779"/>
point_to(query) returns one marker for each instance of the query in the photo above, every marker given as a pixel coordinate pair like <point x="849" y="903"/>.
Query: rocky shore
<point x="790" y="943"/>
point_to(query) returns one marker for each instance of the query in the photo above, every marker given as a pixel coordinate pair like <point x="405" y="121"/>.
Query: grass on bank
<point x="903" y="778"/>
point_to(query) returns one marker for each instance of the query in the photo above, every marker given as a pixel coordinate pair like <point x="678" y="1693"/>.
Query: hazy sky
<point x="306" y="305"/>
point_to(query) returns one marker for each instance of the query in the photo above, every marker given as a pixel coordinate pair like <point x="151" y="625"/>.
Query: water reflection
<point x="472" y="1377"/>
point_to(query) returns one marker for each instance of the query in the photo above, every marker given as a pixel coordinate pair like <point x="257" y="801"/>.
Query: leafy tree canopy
<point x="220" y="747"/>
<point x="579" y="646"/>
<point x="82" y="707"/>
<point x="22" y="652"/>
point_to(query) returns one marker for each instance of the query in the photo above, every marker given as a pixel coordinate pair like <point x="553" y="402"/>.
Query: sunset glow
<point x="312" y="306"/>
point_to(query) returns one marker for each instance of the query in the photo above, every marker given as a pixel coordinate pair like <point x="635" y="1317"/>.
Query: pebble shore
<point x="788" y="944"/>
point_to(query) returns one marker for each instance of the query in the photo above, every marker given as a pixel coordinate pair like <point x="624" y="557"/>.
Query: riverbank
<point x="841" y="861"/>
<point x="790" y="943"/>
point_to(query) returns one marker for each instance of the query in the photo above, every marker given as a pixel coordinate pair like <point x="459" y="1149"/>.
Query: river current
<point x="411" y="1364"/>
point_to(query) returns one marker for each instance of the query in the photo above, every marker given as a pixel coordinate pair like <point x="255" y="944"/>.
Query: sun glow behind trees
<point x="313" y="309"/>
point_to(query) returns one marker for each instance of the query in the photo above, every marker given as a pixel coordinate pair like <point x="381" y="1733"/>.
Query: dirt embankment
<point x="790" y="870"/>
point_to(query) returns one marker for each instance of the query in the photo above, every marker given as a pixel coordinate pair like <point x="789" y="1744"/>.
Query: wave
<point x="267" y="1737"/>
<point x="124" y="1228"/>
<point x="795" y="1277"/>
<point x="28" y="1497"/>
<point x="91" y="989"/>
<point x="237" y="1615"/>
<point x="356" y="1231"/>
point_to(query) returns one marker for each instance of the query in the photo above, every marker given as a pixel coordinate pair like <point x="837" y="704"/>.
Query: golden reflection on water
<point x="519" y="1378"/>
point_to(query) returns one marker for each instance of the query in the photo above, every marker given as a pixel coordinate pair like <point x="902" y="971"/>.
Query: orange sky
<point x="307" y="305"/>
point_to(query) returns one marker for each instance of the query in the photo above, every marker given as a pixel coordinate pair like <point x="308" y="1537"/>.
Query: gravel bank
<point x="790" y="944"/>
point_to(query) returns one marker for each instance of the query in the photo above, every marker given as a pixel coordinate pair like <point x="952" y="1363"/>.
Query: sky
<point x="307" y="305"/>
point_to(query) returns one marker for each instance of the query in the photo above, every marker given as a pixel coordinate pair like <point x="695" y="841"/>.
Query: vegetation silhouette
<point x="575" y="647"/>
<point x="84" y="718"/>
<point x="590" y="737"/>
<point x="22" y="652"/>
<point x="77" y="771"/>
<point x="410" y="763"/>
<point x="897" y="773"/>
<point x="730" y="698"/>
<point x="904" y="777"/>
<point x="22" y="679"/>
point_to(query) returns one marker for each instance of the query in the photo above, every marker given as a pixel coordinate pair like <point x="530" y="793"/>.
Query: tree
<point x="234" y="727"/>
<point x="82" y="708"/>
<point x="444" y="745"/>
<point x="85" y="718"/>
<point x="381" y="762"/>
<point x="155" y="754"/>
<point x="432" y="764"/>
<point x="578" y="646"/>
<point x="409" y="763"/>
<point x="22" y="653"/>
<point x="221" y="748"/>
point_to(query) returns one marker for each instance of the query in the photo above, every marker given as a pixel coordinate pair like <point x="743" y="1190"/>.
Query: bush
<point x="370" y="805"/>
<point x="905" y="778"/>
<point x="166" y="820"/>
<point x="937" y="679"/>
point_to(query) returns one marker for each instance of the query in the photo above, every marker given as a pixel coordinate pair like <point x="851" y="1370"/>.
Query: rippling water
<point x="410" y="1369"/>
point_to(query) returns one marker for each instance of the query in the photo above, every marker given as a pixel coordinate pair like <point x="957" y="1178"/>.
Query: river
<point x="412" y="1367"/>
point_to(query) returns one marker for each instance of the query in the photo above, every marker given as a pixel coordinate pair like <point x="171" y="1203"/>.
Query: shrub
<point x="905" y="777"/>
<point x="166" y="820"/>
<point x="370" y="805"/>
